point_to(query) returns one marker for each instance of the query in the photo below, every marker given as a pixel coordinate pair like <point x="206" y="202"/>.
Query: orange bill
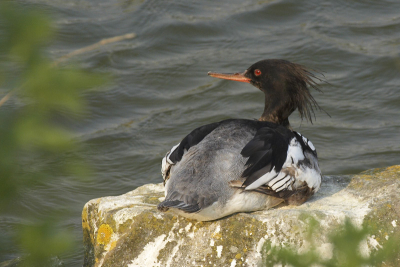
<point x="239" y="77"/>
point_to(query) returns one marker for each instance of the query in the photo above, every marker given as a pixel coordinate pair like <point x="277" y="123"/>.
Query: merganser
<point x="240" y="165"/>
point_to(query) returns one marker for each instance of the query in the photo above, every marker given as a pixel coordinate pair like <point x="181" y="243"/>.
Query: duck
<point x="244" y="165"/>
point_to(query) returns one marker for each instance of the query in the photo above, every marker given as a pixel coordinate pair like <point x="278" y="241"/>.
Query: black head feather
<point x="286" y="88"/>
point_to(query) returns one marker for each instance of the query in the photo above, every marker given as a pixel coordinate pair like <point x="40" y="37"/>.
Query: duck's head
<point x="284" y="85"/>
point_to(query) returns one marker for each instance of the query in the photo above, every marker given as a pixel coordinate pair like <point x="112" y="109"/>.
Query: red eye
<point x="257" y="72"/>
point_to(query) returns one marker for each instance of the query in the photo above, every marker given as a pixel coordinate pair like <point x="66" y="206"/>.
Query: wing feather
<point x="266" y="153"/>
<point x="279" y="161"/>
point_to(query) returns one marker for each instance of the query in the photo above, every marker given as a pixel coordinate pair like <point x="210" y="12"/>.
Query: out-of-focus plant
<point x="31" y="132"/>
<point x="346" y="242"/>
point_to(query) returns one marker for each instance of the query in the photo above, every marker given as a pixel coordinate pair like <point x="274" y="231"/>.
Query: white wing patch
<point x="282" y="181"/>
<point x="166" y="163"/>
<point x="294" y="153"/>
<point x="307" y="142"/>
<point x="311" y="145"/>
<point x="299" y="167"/>
<point x="262" y="180"/>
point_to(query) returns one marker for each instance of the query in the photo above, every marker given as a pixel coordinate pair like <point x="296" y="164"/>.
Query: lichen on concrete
<point x="128" y="230"/>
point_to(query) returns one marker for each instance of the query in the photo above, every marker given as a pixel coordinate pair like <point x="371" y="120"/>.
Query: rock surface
<point x="128" y="230"/>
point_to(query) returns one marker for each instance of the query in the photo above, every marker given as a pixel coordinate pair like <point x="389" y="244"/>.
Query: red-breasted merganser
<point x="240" y="165"/>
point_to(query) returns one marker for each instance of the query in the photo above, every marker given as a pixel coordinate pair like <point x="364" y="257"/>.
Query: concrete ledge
<point x="128" y="230"/>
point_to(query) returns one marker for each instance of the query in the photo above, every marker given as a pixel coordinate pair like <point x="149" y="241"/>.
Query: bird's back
<point x="205" y="170"/>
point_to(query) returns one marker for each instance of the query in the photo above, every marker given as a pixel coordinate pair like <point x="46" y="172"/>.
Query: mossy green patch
<point x="151" y="199"/>
<point x="124" y="227"/>
<point x="380" y="222"/>
<point x="166" y="251"/>
<point x="144" y="229"/>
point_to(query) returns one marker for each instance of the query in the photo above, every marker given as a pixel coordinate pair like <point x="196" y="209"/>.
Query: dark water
<point x="161" y="90"/>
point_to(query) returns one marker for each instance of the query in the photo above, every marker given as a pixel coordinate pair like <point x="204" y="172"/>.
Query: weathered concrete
<point x="128" y="230"/>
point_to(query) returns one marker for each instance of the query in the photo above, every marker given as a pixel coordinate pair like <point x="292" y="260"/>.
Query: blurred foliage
<point x="31" y="124"/>
<point x="346" y="245"/>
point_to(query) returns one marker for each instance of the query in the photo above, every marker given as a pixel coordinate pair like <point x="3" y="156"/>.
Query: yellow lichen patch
<point x="216" y="235"/>
<point x="104" y="234"/>
<point x="245" y="250"/>
<point x="395" y="168"/>
<point x="366" y="176"/>
<point x="238" y="256"/>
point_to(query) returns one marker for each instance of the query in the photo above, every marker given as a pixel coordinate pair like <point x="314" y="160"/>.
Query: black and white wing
<point x="267" y="153"/>
<point x="280" y="162"/>
<point x="176" y="153"/>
